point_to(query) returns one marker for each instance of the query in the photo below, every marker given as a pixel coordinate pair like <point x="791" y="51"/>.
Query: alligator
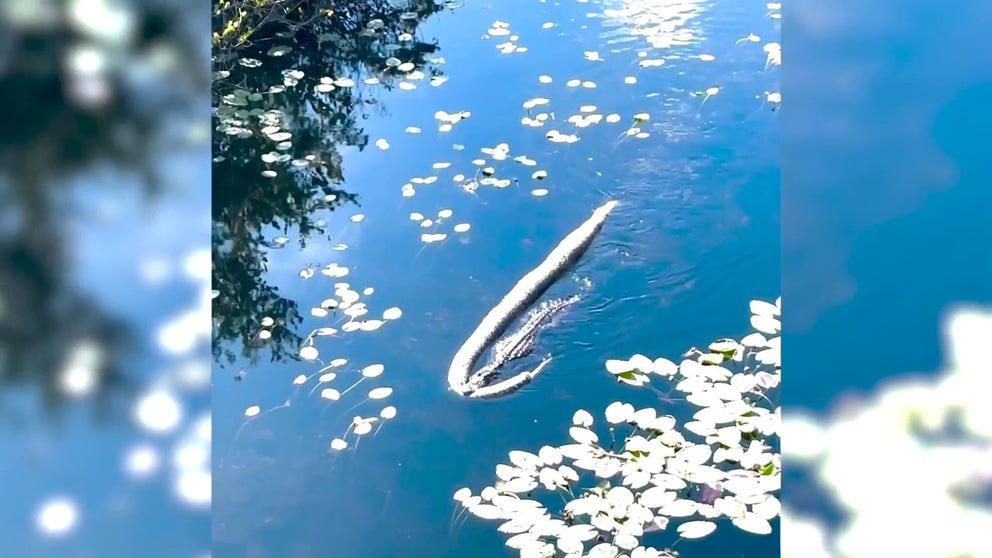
<point x="520" y="343"/>
<point x="485" y="383"/>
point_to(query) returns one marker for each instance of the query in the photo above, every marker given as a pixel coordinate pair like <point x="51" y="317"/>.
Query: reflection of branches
<point x="287" y="93"/>
<point x="240" y="262"/>
<point x="75" y="96"/>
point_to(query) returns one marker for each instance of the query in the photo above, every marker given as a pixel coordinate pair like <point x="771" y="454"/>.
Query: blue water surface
<point x="80" y="454"/>
<point x="694" y="239"/>
<point x="885" y="190"/>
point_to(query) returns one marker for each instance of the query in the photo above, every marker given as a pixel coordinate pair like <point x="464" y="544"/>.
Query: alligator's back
<point x="519" y="343"/>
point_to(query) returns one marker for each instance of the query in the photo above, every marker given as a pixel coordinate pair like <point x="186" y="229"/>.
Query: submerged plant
<point x="649" y="473"/>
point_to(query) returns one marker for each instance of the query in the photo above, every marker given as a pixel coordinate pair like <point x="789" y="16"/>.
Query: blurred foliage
<point x="86" y="86"/>
<point x="289" y="93"/>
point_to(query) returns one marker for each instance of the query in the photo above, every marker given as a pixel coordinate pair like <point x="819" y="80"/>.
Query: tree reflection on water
<point x="80" y="95"/>
<point x="287" y="98"/>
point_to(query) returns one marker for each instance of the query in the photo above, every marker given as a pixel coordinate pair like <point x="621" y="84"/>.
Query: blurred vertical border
<point x="104" y="278"/>
<point x="887" y="278"/>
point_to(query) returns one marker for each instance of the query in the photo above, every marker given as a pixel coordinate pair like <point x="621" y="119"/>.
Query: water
<point x="877" y="248"/>
<point x="695" y="237"/>
<point x="80" y="452"/>
<point x="885" y="232"/>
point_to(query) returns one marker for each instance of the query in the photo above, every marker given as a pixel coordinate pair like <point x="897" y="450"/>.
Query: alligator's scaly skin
<point x="520" y="343"/>
<point x="528" y="289"/>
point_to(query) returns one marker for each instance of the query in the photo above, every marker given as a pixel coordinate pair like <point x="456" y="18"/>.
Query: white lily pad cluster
<point x="237" y="119"/>
<point x="447" y="120"/>
<point x="774" y="10"/>
<point x="353" y="311"/>
<point x="359" y="425"/>
<point x="243" y="113"/>
<point x="635" y="130"/>
<point x="487" y="174"/>
<point x="328" y="84"/>
<point x="536" y="119"/>
<point x="501" y="29"/>
<point x="409" y="189"/>
<point x="584" y="83"/>
<point x="326" y="375"/>
<point x="404" y="71"/>
<point x="586" y="116"/>
<point x="556" y="136"/>
<point x="430" y="225"/>
<point x="265" y="331"/>
<point x="407" y="74"/>
<point x="863" y="454"/>
<point x="347" y="302"/>
<point x="773" y="98"/>
<point x="662" y="27"/>
<point x="773" y="54"/>
<point x="644" y="472"/>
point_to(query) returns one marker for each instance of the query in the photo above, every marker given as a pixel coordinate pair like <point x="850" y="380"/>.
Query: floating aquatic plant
<point x="935" y="426"/>
<point x="447" y="120"/>
<point x="750" y="38"/>
<point x="651" y="473"/>
<point x="346" y="303"/>
<point x="773" y="98"/>
<point x="644" y="472"/>
<point x="426" y="223"/>
<point x="332" y="63"/>
<point x="773" y="53"/>
<point x="359" y="426"/>
<point x="509" y="46"/>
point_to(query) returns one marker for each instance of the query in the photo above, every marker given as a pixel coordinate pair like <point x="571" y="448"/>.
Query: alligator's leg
<point x="510" y="384"/>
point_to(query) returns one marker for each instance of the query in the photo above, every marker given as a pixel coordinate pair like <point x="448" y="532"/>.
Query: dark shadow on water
<point x="59" y="128"/>
<point x="282" y="117"/>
